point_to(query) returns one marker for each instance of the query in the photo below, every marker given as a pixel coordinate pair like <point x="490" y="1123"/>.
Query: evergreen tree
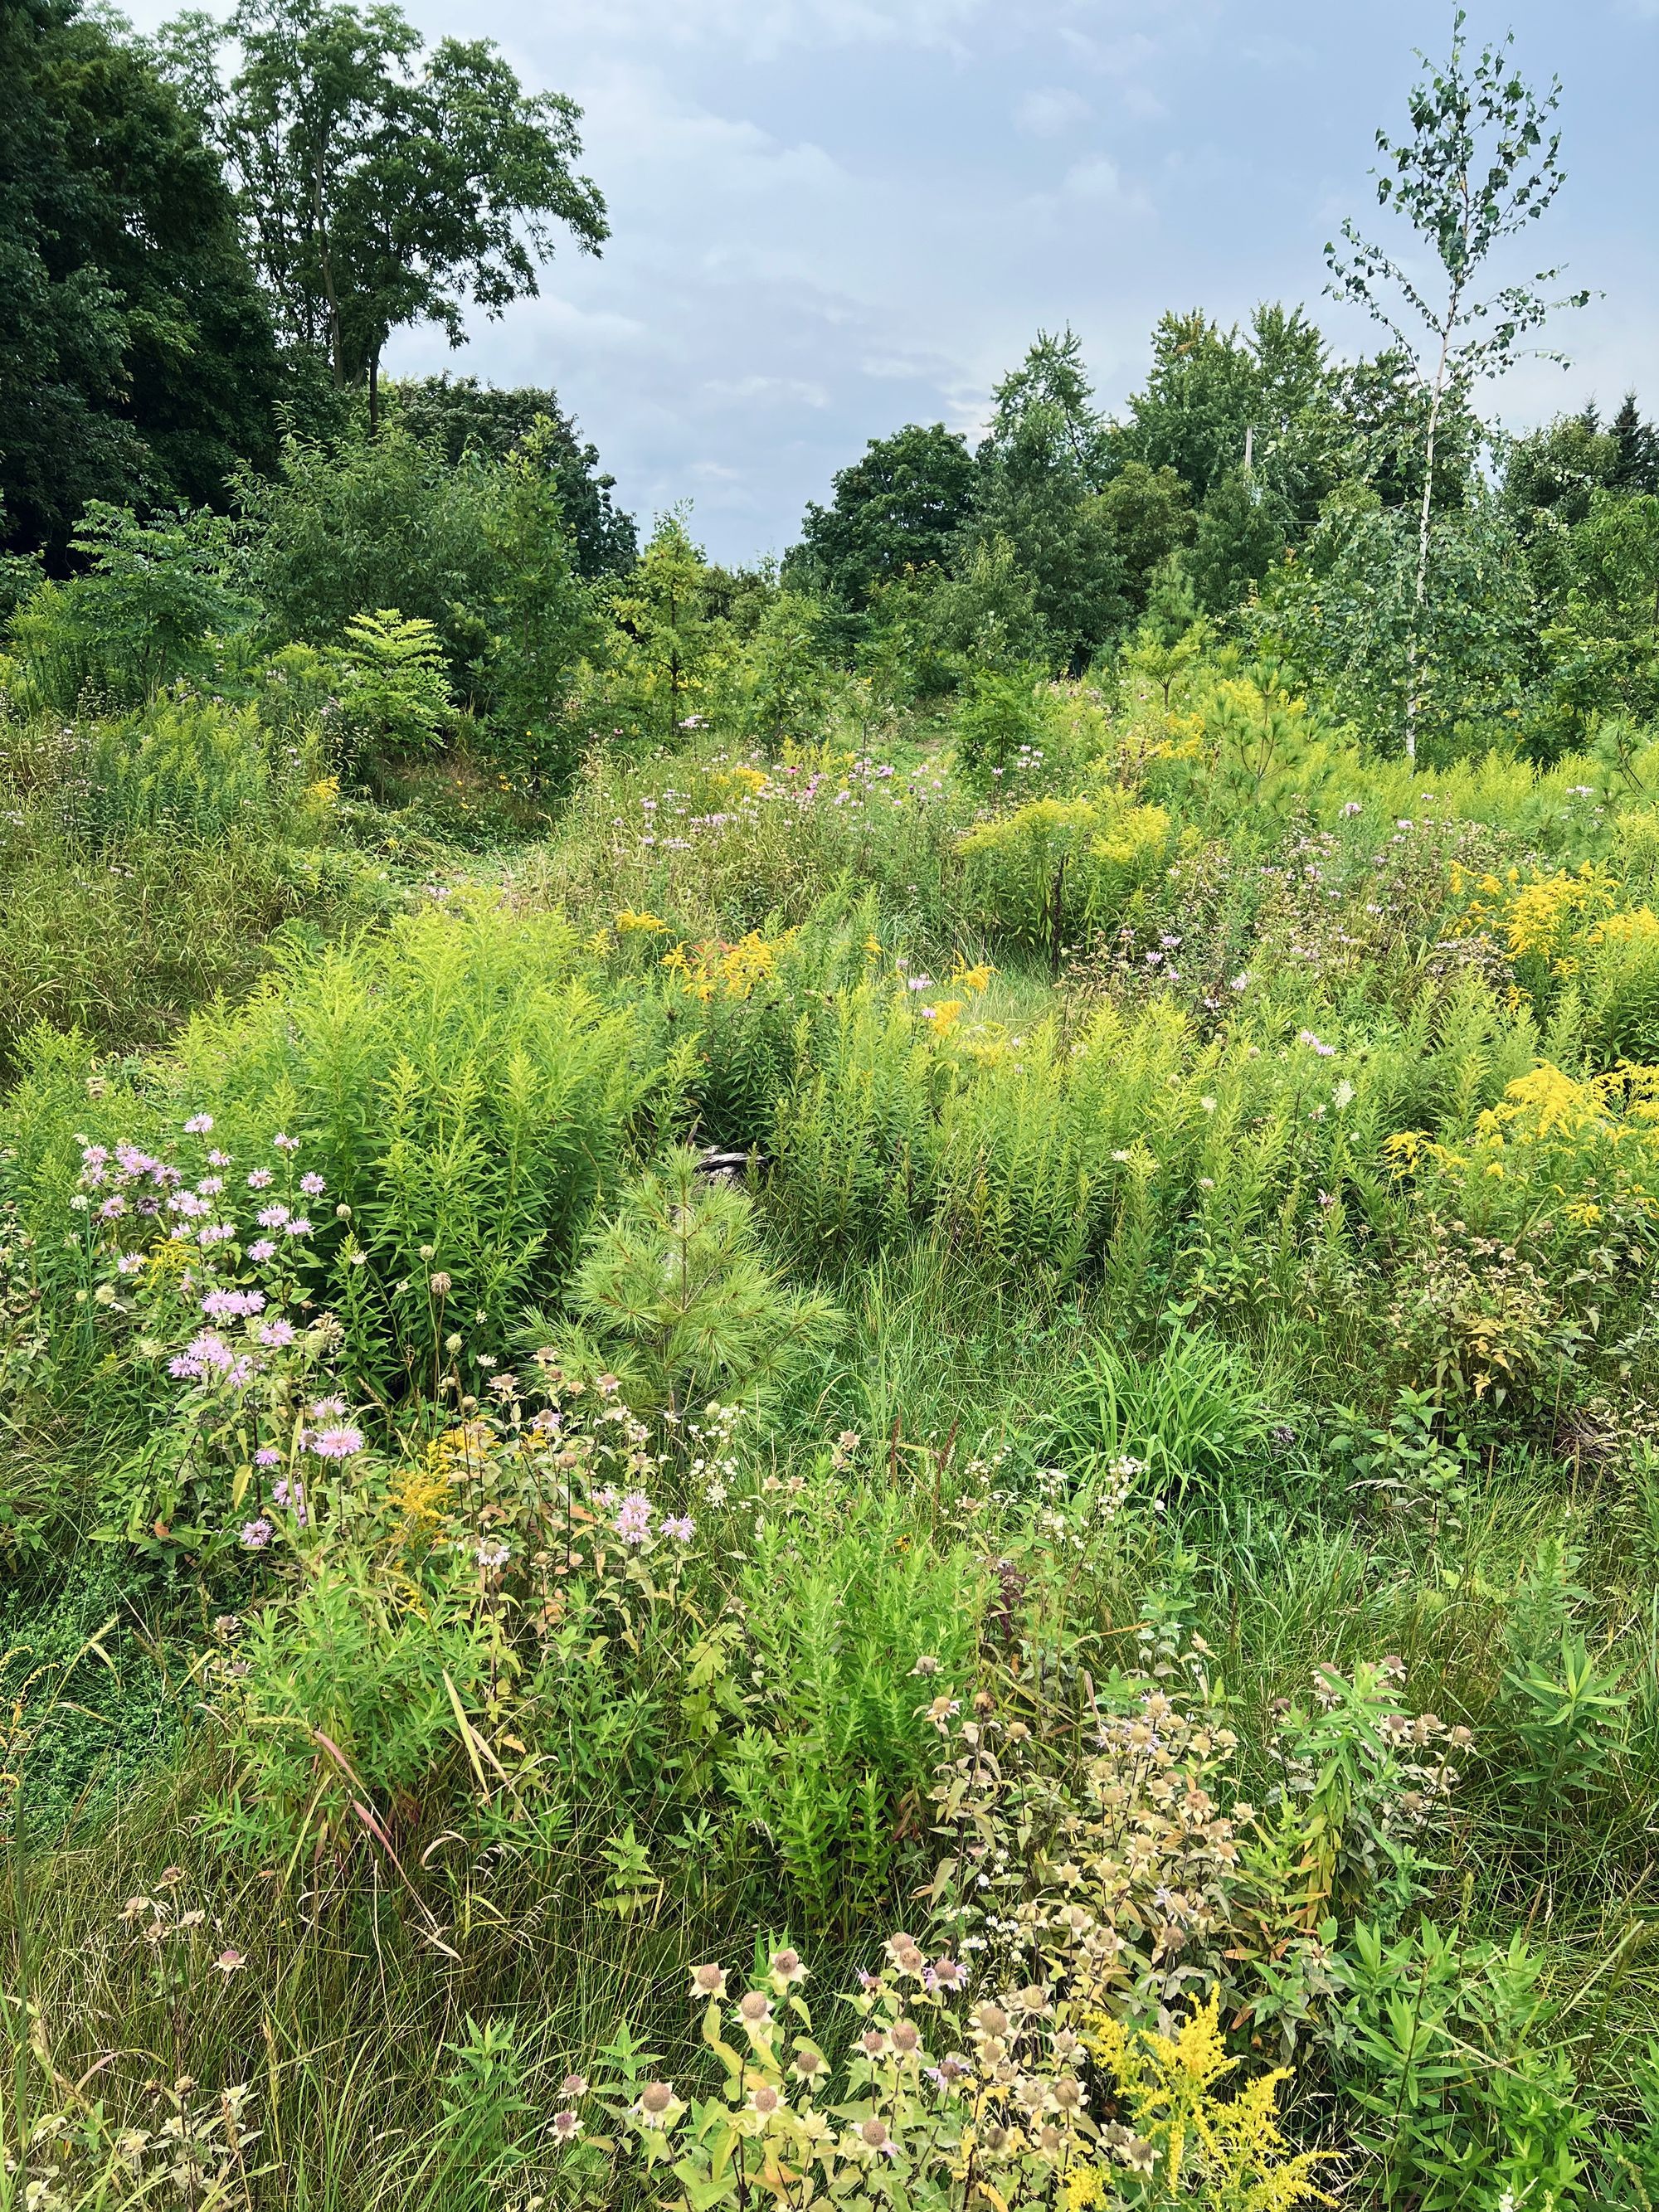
<point x="1637" y="468"/>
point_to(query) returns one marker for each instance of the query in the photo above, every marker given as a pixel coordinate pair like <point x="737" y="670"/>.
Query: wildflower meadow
<point x="832" y="1385"/>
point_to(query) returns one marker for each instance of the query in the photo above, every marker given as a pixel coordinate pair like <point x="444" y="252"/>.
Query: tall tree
<point x="381" y="185"/>
<point x="896" y="509"/>
<point x="495" y="422"/>
<point x="1216" y="399"/>
<point x="1043" y="464"/>
<point x="1638" y="466"/>
<point x="137" y="359"/>
<point x="1477" y="168"/>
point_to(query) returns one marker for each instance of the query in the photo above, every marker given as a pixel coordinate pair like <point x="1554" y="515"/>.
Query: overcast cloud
<point x="833" y="216"/>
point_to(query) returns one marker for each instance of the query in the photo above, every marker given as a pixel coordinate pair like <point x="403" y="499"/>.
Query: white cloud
<point x="1049" y="114"/>
<point x="782" y="391"/>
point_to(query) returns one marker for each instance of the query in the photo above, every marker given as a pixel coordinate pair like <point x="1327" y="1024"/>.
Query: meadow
<point x="1053" y="1353"/>
<point x="829" y="1384"/>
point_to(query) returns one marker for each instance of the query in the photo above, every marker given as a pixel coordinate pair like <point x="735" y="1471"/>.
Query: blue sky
<point x="833" y="216"/>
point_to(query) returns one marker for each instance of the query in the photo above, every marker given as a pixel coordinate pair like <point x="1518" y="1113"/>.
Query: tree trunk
<point x="1413" y="644"/>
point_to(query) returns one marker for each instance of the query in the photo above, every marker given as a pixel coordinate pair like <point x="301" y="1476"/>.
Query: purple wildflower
<point x="261" y="1251"/>
<point x="634" y="1520"/>
<point x="199" y="1125"/>
<point x="256" y="1534"/>
<point x="337" y="1444"/>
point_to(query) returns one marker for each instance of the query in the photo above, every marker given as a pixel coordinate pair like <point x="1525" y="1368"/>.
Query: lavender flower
<point x="633" y="1519"/>
<point x="337" y="1444"/>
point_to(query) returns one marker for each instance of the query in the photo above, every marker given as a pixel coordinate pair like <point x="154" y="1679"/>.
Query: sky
<point x="830" y="217"/>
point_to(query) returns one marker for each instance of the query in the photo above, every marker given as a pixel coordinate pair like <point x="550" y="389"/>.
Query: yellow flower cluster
<point x="716" y="970"/>
<point x="1557" y="1121"/>
<point x="1228" y="2150"/>
<point x="1538" y="915"/>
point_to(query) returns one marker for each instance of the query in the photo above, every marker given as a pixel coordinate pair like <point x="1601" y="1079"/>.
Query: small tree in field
<point x="1477" y="168"/>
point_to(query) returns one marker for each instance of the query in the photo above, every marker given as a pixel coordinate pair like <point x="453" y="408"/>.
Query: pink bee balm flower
<point x="681" y="1529"/>
<point x="199" y="1125"/>
<point x="261" y="1249"/>
<point x="277" y="1332"/>
<point x="284" y="1144"/>
<point x="634" y="1520"/>
<point x="272" y="1217"/>
<point x="256" y="1534"/>
<point x="298" y="1227"/>
<point x="312" y="1185"/>
<point x="267" y="1456"/>
<point x="259" y="1180"/>
<point x="337" y="1444"/>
